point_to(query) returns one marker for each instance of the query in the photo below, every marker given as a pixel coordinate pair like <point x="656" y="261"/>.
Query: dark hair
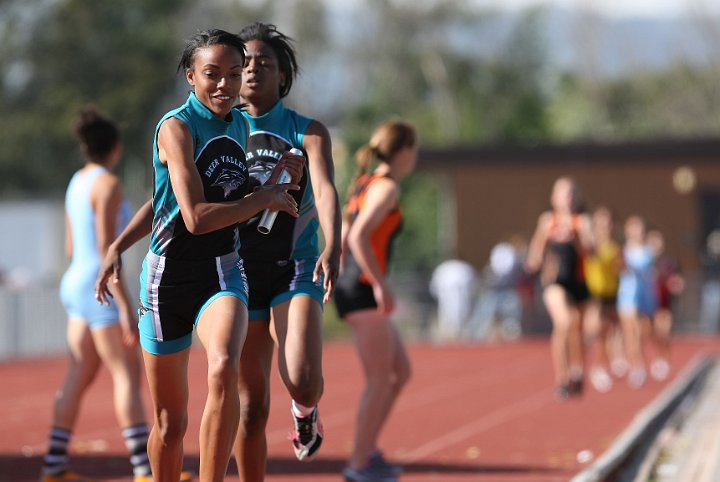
<point x="99" y="134"/>
<point x="281" y="45"/>
<point x="207" y="38"/>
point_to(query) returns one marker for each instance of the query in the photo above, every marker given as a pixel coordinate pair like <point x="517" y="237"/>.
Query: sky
<point x="617" y="8"/>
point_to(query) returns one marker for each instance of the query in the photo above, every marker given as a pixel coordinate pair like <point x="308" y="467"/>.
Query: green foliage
<point x="452" y="98"/>
<point x="676" y="102"/>
<point x="417" y="247"/>
<point x="334" y="328"/>
<point x="573" y="113"/>
<point x="118" y="55"/>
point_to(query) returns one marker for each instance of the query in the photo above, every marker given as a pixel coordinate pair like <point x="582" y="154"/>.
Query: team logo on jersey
<point x="262" y="170"/>
<point x="222" y="166"/>
<point x="229" y="180"/>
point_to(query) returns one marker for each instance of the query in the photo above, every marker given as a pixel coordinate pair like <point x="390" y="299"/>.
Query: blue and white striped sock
<point x="56" y="459"/>
<point x="136" y="438"/>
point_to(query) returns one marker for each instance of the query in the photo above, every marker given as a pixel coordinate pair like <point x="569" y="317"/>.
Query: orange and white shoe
<point x="184" y="477"/>
<point x="67" y="476"/>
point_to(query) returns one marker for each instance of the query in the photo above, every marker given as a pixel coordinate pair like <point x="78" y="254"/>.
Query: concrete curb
<point x="629" y="451"/>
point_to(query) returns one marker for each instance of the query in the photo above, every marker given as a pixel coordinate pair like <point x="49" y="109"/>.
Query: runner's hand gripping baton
<point x="268" y="217"/>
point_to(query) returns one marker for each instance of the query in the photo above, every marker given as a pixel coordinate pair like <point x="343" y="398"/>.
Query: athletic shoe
<point x="660" y="369"/>
<point x="619" y="367"/>
<point x="307" y="435"/>
<point x="575" y="387"/>
<point x="562" y="392"/>
<point x="184" y="477"/>
<point x="601" y="380"/>
<point x="67" y="476"/>
<point x="636" y="377"/>
<point x="377" y="461"/>
<point x="368" y="474"/>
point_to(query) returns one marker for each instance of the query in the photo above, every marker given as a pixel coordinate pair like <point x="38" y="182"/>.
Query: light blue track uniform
<point x="638" y="283"/>
<point x="77" y="288"/>
<point x="280" y="265"/>
<point x="182" y="272"/>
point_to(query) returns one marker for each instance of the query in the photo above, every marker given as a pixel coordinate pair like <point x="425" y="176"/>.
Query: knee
<point x="308" y="391"/>
<point x="402" y="376"/>
<point x="223" y="373"/>
<point x="170" y="427"/>
<point x="84" y="374"/>
<point x="254" y="414"/>
<point x="560" y="327"/>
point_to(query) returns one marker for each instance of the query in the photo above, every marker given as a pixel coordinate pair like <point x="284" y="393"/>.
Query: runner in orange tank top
<point x="382" y="237"/>
<point x="561" y="240"/>
<point x="364" y="298"/>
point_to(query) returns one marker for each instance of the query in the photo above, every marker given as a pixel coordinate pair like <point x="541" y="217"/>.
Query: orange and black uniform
<point x="353" y="291"/>
<point x="564" y="259"/>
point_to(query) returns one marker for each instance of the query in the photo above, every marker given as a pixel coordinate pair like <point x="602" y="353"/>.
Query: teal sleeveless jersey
<point x="219" y="152"/>
<point x="271" y="135"/>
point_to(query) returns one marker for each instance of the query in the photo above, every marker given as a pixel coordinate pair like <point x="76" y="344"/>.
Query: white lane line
<point x="481" y="424"/>
<point x="452" y="388"/>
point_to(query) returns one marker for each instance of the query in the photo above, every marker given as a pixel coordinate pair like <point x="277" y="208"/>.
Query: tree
<point x="120" y="56"/>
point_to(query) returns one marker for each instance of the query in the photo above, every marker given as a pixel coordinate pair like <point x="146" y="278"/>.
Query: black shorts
<point x="576" y="291"/>
<point x="353" y="296"/>
<point x="174" y="293"/>
<point x="274" y="282"/>
<point x="606" y="301"/>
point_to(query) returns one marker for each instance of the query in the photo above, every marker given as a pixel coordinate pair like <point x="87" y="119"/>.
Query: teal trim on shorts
<point x="314" y="294"/>
<point x="156" y="347"/>
<point x="231" y="292"/>
<point x="166" y="347"/>
<point x="264" y="314"/>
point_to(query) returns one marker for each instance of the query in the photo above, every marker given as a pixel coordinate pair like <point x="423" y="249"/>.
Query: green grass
<point x="333" y="327"/>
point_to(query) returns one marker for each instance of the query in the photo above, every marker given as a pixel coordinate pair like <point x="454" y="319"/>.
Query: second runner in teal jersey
<point x="290" y="276"/>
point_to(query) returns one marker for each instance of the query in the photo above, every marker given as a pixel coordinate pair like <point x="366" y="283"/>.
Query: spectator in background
<point x="499" y="306"/>
<point x="710" y="298"/>
<point x="453" y="284"/>
<point x="562" y="238"/>
<point x="670" y="283"/>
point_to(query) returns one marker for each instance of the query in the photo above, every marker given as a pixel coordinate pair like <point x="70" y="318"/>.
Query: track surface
<point x="470" y="413"/>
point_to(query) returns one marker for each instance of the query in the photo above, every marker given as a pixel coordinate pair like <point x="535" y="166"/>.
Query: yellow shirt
<point x="602" y="271"/>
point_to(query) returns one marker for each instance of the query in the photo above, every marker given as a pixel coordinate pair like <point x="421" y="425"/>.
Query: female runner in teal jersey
<point x="192" y="276"/>
<point x="289" y="276"/>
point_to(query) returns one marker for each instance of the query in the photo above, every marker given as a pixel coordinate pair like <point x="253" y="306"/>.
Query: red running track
<point x="470" y="413"/>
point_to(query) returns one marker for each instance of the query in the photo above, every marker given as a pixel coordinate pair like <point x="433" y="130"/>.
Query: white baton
<point x="268" y="216"/>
